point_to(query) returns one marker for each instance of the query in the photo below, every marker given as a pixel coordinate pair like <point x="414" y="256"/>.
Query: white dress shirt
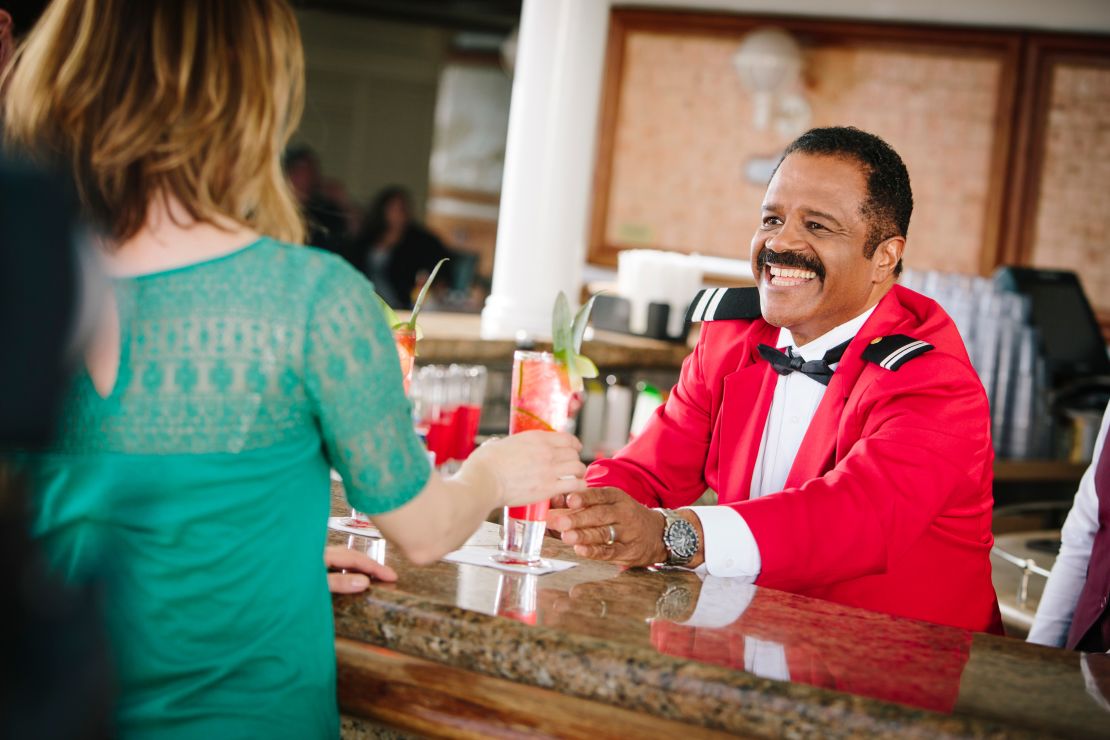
<point x="1069" y="574"/>
<point x="730" y="548"/>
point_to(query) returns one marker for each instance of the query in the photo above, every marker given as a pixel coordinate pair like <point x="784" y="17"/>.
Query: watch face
<point x="681" y="539"/>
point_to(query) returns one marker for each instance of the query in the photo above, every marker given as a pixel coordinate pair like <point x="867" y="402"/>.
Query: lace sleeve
<point x="353" y="378"/>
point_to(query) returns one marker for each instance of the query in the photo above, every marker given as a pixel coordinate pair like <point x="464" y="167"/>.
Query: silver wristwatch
<point x="680" y="538"/>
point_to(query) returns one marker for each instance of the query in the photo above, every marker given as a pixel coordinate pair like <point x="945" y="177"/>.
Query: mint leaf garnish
<point x="566" y="340"/>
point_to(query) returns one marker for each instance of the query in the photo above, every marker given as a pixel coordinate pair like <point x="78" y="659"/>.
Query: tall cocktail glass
<point x="541" y="399"/>
<point x="468" y="417"/>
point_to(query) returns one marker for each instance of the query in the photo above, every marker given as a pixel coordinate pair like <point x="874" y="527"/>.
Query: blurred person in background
<point x="325" y="216"/>
<point x="395" y="251"/>
<point x="52" y="648"/>
<point x="230" y="370"/>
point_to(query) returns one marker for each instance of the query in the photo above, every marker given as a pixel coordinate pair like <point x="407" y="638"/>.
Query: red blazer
<point x="888" y="504"/>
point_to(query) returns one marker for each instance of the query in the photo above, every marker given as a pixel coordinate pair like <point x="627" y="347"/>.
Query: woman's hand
<point x="343" y="559"/>
<point x="527" y="467"/>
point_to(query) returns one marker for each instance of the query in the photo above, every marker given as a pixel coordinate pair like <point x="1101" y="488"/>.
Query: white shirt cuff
<point x="721" y="602"/>
<point x="730" y="548"/>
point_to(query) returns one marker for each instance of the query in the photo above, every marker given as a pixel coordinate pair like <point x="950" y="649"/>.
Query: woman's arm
<point x="1069" y="574"/>
<point x="513" y="471"/>
<point x="353" y="381"/>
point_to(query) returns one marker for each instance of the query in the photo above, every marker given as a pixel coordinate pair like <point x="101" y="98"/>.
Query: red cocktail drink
<point x="468" y="416"/>
<point x="541" y="399"/>
<point x="405" y="340"/>
<point x="441" y="435"/>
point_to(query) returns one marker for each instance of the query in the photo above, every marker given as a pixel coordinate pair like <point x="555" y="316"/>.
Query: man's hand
<point x="637" y="531"/>
<point x="342" y="559"/>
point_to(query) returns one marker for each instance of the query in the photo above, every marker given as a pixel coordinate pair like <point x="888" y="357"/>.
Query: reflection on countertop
<point x="721" y="654"/>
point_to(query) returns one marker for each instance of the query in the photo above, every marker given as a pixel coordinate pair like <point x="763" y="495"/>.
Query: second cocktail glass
<point x="541" y="399"/>
<point x="404" y="339"/>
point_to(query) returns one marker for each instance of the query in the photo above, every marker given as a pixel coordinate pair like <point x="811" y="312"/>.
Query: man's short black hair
<point x="889" y="201"/>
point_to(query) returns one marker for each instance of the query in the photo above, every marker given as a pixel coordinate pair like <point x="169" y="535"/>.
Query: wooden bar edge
<point x="437" y="700"/>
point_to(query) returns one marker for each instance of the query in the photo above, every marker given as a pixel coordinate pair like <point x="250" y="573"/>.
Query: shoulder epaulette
<point x="723" y="304"/>
<point x="894" y="351"/>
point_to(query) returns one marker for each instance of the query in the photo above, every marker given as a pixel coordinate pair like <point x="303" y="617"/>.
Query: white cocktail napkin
<point x="470" y="554"/>
<point x="483" y="556"/>
<point x="339" y="523"/>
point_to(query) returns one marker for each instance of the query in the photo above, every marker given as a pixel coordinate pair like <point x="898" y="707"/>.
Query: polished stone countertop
<point x="620" y="637"/>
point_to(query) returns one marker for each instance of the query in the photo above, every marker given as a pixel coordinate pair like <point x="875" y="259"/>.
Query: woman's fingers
<point x="562" y="439"/>
<point x="338" y="557"/>
<point x="533" y="465"/>
<point x="571" y="468"/>
<point x="565" y="486"/>
<point x="347" y="583"/>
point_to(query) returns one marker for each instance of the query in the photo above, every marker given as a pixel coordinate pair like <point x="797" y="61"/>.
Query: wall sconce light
<point x="769" y="62"/>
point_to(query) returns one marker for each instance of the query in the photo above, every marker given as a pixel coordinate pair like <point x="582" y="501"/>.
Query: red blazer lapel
<point x="745" y="404"/>
<point x="817" y="455"/>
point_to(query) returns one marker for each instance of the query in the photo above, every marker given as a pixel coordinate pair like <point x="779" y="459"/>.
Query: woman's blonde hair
<point x="189" y="99"/>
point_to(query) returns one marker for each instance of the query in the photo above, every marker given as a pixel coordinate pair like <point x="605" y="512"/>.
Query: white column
<point x="546" y="188"/>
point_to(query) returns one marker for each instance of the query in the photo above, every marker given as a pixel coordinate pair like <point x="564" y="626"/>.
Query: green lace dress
<point x="197" y="491"/>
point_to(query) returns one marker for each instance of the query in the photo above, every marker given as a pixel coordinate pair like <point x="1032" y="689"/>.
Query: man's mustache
<point x="789" y="259"/>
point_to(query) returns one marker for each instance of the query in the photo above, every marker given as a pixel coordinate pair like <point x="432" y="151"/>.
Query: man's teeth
<point x="791" y="273"/>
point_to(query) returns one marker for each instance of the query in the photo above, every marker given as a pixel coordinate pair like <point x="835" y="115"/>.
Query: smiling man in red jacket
<point x="836" y="415"/>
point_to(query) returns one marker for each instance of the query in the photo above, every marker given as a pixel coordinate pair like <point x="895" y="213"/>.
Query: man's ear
<point x="886" y="258"/>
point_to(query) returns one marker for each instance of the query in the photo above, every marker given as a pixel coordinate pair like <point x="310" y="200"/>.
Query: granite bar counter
<point x="595" y="651"/>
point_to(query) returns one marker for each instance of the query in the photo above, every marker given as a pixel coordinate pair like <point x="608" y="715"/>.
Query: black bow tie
<point x="819" y="370"/>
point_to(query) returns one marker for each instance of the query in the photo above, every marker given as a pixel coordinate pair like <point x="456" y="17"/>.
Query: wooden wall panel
<point x="1070" y="227"/>
<point x="677" y="132"/>
<point x="684" y="135"/>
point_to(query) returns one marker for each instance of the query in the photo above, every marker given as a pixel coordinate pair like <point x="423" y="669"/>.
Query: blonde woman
<point x="234" y="368"/>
